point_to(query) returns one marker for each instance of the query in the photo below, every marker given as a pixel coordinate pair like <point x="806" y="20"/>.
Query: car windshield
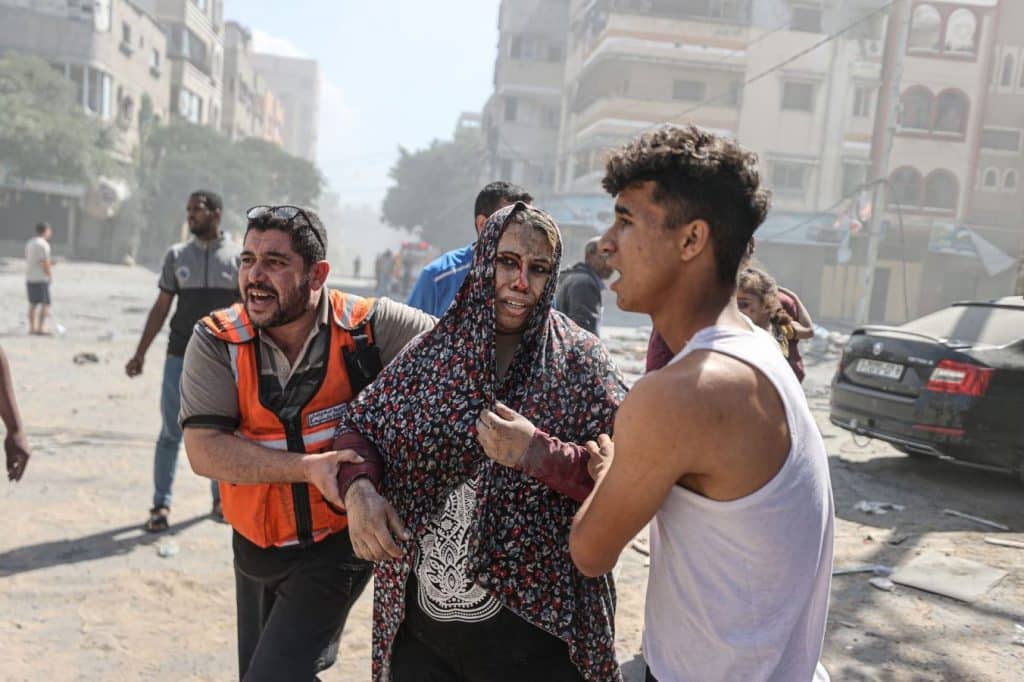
<point x="981" y="325"/>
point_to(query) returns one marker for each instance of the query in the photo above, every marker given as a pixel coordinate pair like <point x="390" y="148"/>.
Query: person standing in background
<point x="38" y="276"/>
<point x="203" y="274"/>
<point x="580" y="287"/>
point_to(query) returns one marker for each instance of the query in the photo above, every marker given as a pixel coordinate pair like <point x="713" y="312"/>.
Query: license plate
<point x="876" y="368"/>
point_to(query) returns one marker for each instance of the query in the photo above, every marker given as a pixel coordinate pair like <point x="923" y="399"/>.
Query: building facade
<point x="522" y="117"/>
<point x="195" y="52"/>
<point x="113" y="52"/>
<point x="296" y="84"/>
<point x="950" y="224"/>
<point x="244" y="90"/>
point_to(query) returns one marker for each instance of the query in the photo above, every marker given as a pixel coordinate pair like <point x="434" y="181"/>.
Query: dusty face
<point x="754" y="307"/>
<point x="521" y="271"/>
<point x="201" y="220"/>
<point x="273" y="279"/>
<point x="641" y="249"/>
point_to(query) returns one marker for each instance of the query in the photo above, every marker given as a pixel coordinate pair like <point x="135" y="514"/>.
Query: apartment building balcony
<point x="620" y="114"/>
<point x="512" y="72"/>
<point x="666" y="40"/>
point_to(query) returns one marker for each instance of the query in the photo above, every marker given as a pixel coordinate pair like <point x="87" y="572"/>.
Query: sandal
<point x="157" y="522"/>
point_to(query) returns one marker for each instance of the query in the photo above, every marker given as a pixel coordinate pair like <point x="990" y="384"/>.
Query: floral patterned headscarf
<point x="420" y="413"/>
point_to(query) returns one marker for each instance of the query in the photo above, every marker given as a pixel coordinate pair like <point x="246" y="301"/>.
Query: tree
<point x="44" y="132"/>
<point x="435" y="189"/>
<point x="180" y="158"/>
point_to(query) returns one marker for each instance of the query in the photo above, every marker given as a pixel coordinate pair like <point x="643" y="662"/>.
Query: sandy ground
<point x="86" y="595"/>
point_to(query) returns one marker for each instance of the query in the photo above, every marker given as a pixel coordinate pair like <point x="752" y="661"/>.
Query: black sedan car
<point x="949" y="384"/>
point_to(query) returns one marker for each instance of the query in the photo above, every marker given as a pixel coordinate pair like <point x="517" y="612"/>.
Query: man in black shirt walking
<point x="580" y="287"/>
<point x="203" y="274"/>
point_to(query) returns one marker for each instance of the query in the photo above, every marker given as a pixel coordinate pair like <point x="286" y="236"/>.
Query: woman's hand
<point x="601" y="455"/>
<point x="504" y="434"/>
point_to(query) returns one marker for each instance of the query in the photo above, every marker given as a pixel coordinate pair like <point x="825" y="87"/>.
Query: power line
<point x="828" y="211"/>
<point x="786" y="62"/>
<point x="736" y="90"/>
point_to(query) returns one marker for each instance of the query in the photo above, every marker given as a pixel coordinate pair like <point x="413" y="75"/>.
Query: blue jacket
<point x="440" y="280"/>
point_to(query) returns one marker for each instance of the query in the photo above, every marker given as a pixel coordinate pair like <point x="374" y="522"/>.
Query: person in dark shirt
<point x="203" y="274"/>
<point x="580" y="287"/>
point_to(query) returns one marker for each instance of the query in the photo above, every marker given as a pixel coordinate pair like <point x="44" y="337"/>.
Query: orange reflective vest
<point x="282" y="514"/>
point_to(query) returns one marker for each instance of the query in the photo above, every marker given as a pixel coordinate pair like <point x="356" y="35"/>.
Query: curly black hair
<point x="697" y="175"/>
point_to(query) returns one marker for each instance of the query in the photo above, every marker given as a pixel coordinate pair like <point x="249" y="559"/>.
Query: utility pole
<point x="897" y="35"/>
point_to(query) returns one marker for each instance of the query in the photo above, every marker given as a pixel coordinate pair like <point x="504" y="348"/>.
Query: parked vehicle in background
<point x="949" y="384"/>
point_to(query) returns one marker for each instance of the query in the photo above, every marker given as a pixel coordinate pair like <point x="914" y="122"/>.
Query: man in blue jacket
<point x="440" y="280"/>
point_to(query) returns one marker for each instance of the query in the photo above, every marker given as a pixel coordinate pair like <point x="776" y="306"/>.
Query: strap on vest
<point x="363" y="362"/>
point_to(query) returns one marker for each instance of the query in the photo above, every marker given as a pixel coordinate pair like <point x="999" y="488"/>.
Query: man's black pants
<point x="292" y="604"/>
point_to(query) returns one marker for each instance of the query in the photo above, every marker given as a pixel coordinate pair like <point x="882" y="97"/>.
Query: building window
<point x="515" y="48"/>
<point x="201" y="4"/>
<point x="961" y="30"/>
<point x="863" y="100"/>
<point x="185" y="43"/>
<point x="797" y="96"/>
<point x="916" y="109"/>
<point x="190" y="105"/>
<point x="1010" y="181"/>
<point x="1000" y="140"/>
<point x="97" y="92"/>
<point x="951" y="112"/>
<point x="1006" y="77"/>
<point x="855" y="174"/>
<point x="154" y="59"/>
<point x="789" y="177"/>
<point x="506" y="169"/>
<point x="806" y="19"/>
<point x="511" y="108"/>
<point x="925" y="28"/>
<point x="905" y="187"/>
<point x="940" y="191"/>
<point x="688" y="91"/>
<point x="126" y="33"/>
<point x="555" y="54"/>
<point x="990" y="180"/>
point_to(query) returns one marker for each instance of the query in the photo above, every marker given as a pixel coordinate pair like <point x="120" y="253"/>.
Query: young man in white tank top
<point x="718" y="450"/>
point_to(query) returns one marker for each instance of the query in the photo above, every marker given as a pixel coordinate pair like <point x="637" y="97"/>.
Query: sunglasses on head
<point x="286" y="213"/>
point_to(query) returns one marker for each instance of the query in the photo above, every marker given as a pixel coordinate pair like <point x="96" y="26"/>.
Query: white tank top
<point x="739" y="590"/>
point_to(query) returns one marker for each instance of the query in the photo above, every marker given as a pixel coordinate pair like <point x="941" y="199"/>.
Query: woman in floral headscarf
<point x="486" y="589"/>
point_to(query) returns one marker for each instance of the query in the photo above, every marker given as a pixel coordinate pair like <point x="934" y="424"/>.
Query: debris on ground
<point x="85" y="358"/>
<point x="898" y="538"/>
<point x="640" y="546"/>
<point x="869" y="507"/>
<point x="976" y="519"/>
<point x="1005" y="543"/>
<point x="877" y="569"/>
<point x="167" y="549"/>
<point x="1019" y="629"/>
<point x="960" y="579"/>
<point x="883" y="584"/>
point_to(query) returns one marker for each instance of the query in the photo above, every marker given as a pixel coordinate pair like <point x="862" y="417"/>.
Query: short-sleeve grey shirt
<point x="209" y="394"/>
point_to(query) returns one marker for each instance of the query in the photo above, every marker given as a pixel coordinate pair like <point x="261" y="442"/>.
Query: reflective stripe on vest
<point x="283" y="514"/>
